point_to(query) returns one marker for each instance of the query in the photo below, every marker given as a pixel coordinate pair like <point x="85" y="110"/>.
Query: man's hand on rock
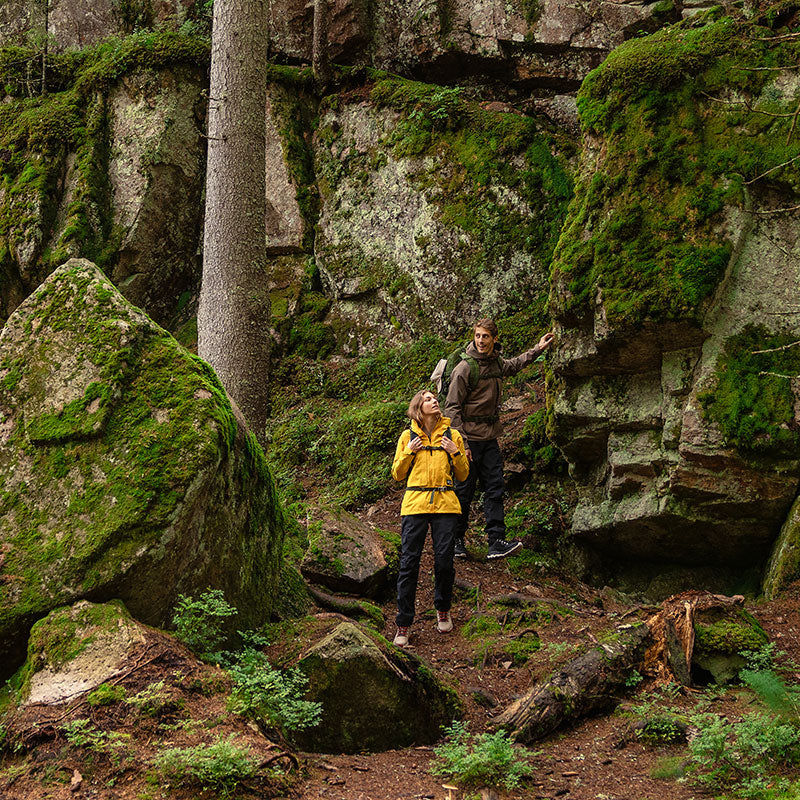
<point x="546" y="340"/>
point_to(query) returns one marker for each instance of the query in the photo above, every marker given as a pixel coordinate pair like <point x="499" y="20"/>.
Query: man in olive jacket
<point x="474" y="410"/>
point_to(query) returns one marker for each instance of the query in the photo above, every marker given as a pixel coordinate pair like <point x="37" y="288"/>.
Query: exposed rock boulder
<point x="75" y="649"/>
<point x="157" y="171"/>
<point x="374" y="697"/>
<point x="346" y="555"/>
<point x="125" y="473"/>
<point x="72" y="24"/>
<point x="668" y="281"/>
<point x="424" y="223"/>
<point x="548" y="45"/>
<point x="784" y="562"/>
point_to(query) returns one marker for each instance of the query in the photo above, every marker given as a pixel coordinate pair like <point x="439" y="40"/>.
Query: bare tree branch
<point x="776" y="210"/>
<point x="782" y="38"/>
<point x="779" y="375"/>
<point x="775" y="349"/>
<point x="747" y="105"/>
<point x="794" y="124"/>
<point x="785" y="164"/>
<point x="768" y="69"/>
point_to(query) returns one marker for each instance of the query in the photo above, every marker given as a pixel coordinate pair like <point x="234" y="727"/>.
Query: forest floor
<point x="123" y="749"/>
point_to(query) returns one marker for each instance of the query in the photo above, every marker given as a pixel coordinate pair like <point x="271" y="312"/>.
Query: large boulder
<point x="346" y="555"/>
<point x="374" y="696"/>
<point x="433" y="208"/>
<point x="674" y="287"/>
<point x="124" y="472"/>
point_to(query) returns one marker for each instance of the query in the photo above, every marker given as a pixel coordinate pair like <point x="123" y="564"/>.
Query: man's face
<point x="484" y="341"/>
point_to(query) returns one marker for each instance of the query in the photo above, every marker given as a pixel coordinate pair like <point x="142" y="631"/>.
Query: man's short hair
<point x="487" y="324"/>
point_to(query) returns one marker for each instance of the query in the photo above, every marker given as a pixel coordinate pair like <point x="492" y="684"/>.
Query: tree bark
<point x="234" y="310"/>
<point x="587" y="685"/>
<point x="320" y="61"/>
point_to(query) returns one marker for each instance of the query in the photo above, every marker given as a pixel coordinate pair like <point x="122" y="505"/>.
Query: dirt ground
<point x="597" y="759"/>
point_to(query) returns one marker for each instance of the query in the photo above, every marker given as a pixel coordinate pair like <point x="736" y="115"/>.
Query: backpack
<point x="442" y="374"/>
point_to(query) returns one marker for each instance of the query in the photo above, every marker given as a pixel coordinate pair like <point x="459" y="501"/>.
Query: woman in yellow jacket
<point x="429" y="456"/>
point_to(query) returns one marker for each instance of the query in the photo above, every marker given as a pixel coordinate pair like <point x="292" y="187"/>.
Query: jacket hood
<point x="442" y="425"/>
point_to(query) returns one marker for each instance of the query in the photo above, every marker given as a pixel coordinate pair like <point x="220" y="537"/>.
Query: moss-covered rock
<point x="346" y="555"/>
<point x="374" y="697"/>
<point x="75" y="649"/>
<point x="123" y="470"/>
<point x="433" y="210"/>
<point x="721" y="635"/>
<point x="784" y="563"/>
<point x="672" y="284"/>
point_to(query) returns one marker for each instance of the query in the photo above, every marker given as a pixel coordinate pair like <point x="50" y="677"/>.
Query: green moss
<point x="106" y="694"/>
<point x="730" y="637"/>
<point x="646" y="229"/>
<point x="167" y="419"/>
<point x="37" y="132"/>
<point x="755" y="411"/>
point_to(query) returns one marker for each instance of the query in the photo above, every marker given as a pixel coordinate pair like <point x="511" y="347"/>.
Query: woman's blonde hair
<point x="415" y="406"/>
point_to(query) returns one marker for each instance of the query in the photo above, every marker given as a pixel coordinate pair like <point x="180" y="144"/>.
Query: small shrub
<point x="488" y="759"/>
<point x="155" y="700"/>
<point x="200" y="623"/>
<point x="105" y="695"/>
<point x="83" y="733"/>
<point x="220" y="766"/>
<point x="269" y="695"/>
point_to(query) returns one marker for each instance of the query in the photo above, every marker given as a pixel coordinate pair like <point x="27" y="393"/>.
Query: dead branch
<point x="777" y="210"/>
<point x="779" y="375"/>
<point x="775" y="349"/>
<point x="747" y="105"/>
<point x="782" y="38"/>
<point x="768" y="69"/>
<point x="779" y="166"/>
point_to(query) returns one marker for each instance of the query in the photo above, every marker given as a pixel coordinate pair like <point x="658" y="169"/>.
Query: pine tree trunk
<point x="234" y="311"/>
<point x="320" y="62"/>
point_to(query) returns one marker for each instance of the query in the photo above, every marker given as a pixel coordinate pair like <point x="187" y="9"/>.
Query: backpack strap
<point x="430" y="448"/>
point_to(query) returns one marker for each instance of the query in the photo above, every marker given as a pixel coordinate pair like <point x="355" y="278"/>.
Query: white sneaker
<point x="401" y="637"/>
<point x="444" y="622"/>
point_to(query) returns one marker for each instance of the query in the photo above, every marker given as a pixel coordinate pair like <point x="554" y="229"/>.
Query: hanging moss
<point x="755" y="411"/>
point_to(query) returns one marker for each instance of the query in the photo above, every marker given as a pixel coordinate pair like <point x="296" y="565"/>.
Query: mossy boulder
<point x="672" y="286"/>
<point x="433" y="209"/>
<point x="784" y="563"/>
<point x="124" y="472"/>
<point x="374" y="696"/>
<point x="721" y="635"/>
<point x="75" y="649"/>
<point x="347" y="555"/>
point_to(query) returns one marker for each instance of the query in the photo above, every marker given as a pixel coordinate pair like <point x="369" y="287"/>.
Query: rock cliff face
<point x="124" y="471"/>
<point x="675" y="268"/>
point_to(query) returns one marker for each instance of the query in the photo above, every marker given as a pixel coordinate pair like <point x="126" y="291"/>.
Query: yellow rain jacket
<point x="429" y="482"/>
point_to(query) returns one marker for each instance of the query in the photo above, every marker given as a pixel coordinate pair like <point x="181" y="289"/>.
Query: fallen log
<point x="587" y="685"/>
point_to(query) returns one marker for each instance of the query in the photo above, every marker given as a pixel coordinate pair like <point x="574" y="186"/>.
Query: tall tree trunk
<point x="320" y="62"/>
<point x="234" y="312"/>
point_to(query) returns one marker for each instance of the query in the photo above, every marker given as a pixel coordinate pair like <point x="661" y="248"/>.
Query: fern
<point x="779" y="698"/>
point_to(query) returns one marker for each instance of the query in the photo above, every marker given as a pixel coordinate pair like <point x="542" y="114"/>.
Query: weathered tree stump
<point x="587" y="685"/>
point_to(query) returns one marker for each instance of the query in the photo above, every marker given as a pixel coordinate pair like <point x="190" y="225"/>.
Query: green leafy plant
<point x="729" y="755"/>
<point x="220" y="766"/>
<point x="155" y="700"/>
<point x="200" y="623"/>
<point x="772" y="690"/>
<point x="84" y="733"/>
<point x="488" y="759"/>
<point x="269" y="695"/>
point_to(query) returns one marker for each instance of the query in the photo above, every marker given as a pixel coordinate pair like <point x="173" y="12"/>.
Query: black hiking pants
<point x="414" y="529"/>
<point x="486" y="466"/>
